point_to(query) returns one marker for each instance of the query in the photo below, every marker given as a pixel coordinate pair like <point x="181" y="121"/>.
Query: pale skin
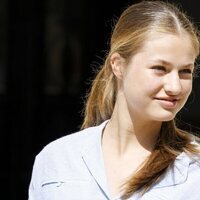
<point x="152" y="88"/>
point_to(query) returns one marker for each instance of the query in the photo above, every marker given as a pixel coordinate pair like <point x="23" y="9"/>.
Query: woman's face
<point x="158" y="80"/>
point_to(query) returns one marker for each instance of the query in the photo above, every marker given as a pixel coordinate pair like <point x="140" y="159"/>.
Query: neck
<point x="127" y="135"/>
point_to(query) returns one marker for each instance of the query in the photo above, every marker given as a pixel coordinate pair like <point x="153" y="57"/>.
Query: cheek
<point x="143" y="83"/>
<point x="139" y="88"/>
<point x="152" y="85"/>
<point x="186" y="87"/>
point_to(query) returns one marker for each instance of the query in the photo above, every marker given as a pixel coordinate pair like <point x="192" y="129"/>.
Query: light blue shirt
<point x="72" y="168"/>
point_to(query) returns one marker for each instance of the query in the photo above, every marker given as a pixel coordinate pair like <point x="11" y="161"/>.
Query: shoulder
<point x="188" y="165"/>
<point x="72" y="144"/>
<point x="195" y="157"/>
<point x="62" y="155"/>
<point x="190" y="170"/>
<point x="183" y="175"/>
<point x="62" y="160"/>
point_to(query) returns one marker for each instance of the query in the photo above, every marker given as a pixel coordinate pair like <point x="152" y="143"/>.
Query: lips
<point x="167" y="99"/>
<point x="168" y="103"/>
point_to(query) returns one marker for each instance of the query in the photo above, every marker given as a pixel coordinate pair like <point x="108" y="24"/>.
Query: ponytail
<point x="101" y="98"/>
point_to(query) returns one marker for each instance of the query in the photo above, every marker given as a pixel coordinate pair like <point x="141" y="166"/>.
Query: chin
<point x="164" y="117"/>
<point x="168" y="119"/>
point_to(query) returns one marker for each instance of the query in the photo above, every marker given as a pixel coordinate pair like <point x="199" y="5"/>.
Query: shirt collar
<point x="93" y="158"/>
<point x="177" y="173"/>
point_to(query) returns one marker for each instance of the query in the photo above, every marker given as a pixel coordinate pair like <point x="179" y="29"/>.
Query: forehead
<point x="170" y="47"/>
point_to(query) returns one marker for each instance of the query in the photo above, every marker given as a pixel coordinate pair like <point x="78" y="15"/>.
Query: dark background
<point x="48" y="50"/>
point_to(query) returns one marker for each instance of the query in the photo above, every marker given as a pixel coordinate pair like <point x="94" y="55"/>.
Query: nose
<point x="172" y="85"/>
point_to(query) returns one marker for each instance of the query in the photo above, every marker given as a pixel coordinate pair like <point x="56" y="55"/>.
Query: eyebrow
<point x="164" y="62"/>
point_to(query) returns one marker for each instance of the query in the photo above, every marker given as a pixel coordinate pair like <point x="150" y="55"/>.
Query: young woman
<point x="130" y="147"/>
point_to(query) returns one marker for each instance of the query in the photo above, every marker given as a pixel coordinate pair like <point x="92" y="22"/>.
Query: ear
<point x="117" y="64"/>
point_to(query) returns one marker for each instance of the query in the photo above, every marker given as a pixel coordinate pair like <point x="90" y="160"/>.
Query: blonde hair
<point x="129" y="35"/>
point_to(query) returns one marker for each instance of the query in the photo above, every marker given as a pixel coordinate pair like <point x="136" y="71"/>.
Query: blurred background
<point x="48" y="53"/>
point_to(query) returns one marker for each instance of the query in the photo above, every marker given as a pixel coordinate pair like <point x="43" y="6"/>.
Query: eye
<point x="185" y="71"/>
<point x="159" y="69"/>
